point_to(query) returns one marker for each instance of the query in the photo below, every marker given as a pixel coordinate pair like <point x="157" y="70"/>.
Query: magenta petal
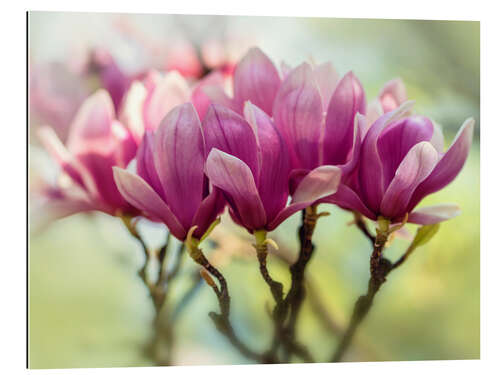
<point x="449" y="165"/>
<point x="347" y="100"/>
<point x="415" y="167"/>
<point x="199" y="98"/>
<point x="370" y="166"/>
<point x="179" y="158"/>
<point x="434" y="214"/>
<point x="327" y="78"/>
<point x="100" y="167"/>
<point x="208" y="211"/>
<point x="92" y="122"/>
<point x="398" y="138"/>
<point x="145" y="163"/>
<point x="235" y="178"/>
<point x="68" y="163"/>
<point x="353" y="157"/>
<point x="317" y="184"/>
<point x="273" y="180"/>
<point x="229" y="132"/>
<point x="256" y="79"/>
<point x="298" y="114"/>
<point x="392" y="95"/>
<point x="346" y="198"/>
<point x="140" y="195"/>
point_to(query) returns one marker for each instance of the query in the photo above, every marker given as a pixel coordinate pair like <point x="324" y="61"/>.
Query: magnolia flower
<point x="317" y="117"/>
<point x="402" y="161"/>
<point x="249" y="162"/>
<point x="390" y="97"/>
<point x="96" y="143"/>
<point x="148" y="101"/>
<point x="170" y="185"/>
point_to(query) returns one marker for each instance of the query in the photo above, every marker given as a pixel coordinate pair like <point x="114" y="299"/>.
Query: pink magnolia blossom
<point x="170" y="185"/>
<point x="390" y="97"/>
<point x="96" y="143"/>
<point x="249" y="162"/>
<point x="401" y="161"/>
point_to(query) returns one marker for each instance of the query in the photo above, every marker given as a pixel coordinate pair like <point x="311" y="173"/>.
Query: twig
<point x="221" y="320"/>
<point x="361" y="224"/>
<point x="380" y="267"/>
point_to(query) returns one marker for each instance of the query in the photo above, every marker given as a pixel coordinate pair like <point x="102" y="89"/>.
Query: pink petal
<point x="298" y="114"/>
<point x="392" y="95"/>
<point x="179" y="157"/>
<point x="347" y="100"/>
<point x="231" y="133"/>
<point x="200" y="99"/>
<point x="449" y="165"/>
<point x="209" y="209"/>
<point x="434" y="214"/>
<point x="273" y="180"/>
<point x="256" y="79"/>
<point x="346" y="198"/>
<point x="92" y="122"/>
<point x="145" y="163"/>
<point x="171" y="91"/>
<point x="398" y="138"/>
<point x="327" y="78"/>
<point x="370" y="165"/>
<point x="235" y="178"/>
<point x="139" y="194"/>
<point x="415" y="167"/>
<point x="319" y="183"/>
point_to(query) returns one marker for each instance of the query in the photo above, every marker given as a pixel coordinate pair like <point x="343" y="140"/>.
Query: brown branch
<point x="379" y="269"/>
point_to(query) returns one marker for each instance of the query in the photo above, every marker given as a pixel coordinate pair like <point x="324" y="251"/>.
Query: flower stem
<point x="379" y="269"/>
<point x="221" y="320"/>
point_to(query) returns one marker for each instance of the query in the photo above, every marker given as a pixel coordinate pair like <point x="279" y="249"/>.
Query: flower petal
<point x="208" y="211"/>
<point x="347" y="100"/>
<point x="68" y="163"/>
<point x="199" y="98"/>
<point x="415" y="167"/>
<point x="449" y="165"/>
<point x="327" y="78"/>
<point x="131" y="114"/>
<point x="140" y="195"/>
<point x="347" y="198"/>
<point x="172" y="90"/>
<point x="256" y="79"/>
<point x="370" y="166"/>
<point x="179" y="157"/>
<point x="298" y="114"/>
<point x="273" y="178"/>
<point x="229" y="132"/>
<point x="92" y="122"/>
<point x="398" y="138"/>
<point x="392" y="95"/>
<point x="317" y="184"/>
<point x="235" y="178"/>
<point x="145" y="164"/>
<point x="434" y="214"/>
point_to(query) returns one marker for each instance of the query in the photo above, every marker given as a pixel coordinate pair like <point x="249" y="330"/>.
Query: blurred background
<point x="88" y="307"/>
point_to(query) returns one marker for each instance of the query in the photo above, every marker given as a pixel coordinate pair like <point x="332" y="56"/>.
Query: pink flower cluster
<point x="263" y="142"/>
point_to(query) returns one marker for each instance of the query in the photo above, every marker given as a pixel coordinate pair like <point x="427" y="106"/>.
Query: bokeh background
<point x="88" y="307"/>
